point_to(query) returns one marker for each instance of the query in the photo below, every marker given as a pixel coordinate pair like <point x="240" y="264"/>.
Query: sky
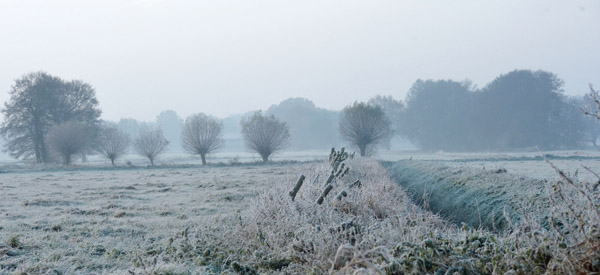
<point x="225" y="57"/>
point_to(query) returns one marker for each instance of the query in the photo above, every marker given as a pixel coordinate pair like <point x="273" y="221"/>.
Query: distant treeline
<point x="519" y="110"/>
<point x="168" y="121"/>
<point x="310" y="127"/>
<point x="522" y="109"/>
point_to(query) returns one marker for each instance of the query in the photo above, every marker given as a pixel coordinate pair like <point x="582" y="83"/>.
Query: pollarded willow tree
<point x="150" y="143"/>
<point x="37" y="102"/>
<point x="365" y="126"/>
<point x="265" y="134"/>
<point x="69" y="139"/>
<point x="201" y="135"/>
<point x="112" y="143"/>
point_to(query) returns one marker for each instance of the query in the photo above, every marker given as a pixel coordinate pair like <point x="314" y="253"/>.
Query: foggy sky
<point x="224" y="57"/>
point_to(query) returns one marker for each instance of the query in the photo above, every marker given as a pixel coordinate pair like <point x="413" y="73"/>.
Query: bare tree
<point x="202" y="134"/>
<point x="112" y="143"/>
<point x="265" y="134"/>
<point x="365" y="126"/>
<point x="150" y="143"/>
<point x="69" y="138"/>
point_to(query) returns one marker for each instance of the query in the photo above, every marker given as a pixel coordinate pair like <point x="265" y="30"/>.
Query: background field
<point x="522" y="164"/>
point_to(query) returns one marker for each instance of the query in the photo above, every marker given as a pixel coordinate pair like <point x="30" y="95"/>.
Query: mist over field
<point x="309" y="137"/>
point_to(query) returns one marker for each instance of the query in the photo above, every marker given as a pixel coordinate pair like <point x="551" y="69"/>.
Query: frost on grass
<point x="211" y="220"/>
<point x="115" y="221"/>
<point x="375" y="227"/>
<point x="480" y="198"/>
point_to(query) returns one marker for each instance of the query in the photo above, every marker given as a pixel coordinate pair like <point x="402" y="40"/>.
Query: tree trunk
<point x="42" y="143"/>
<point x="265" y="157"/>
<point x="38" y="156"/>
<point x="67" y="160"/>
<point x="203" y="156"/>
<point x="38" y="140"/>
<point x="363" y="149"/>
<point x="43" y="152"/>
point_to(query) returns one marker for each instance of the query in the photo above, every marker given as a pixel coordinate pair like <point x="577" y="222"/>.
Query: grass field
<point x="93" y="221"/>
<point x="520" y="164"/>
<point x="181" y="218"/>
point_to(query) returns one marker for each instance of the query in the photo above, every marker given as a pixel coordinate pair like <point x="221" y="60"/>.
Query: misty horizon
<point x="222" y="59"/>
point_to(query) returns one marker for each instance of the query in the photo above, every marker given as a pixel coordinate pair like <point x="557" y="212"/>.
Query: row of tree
<point x="362" y="124"/>
<point x="54" y="119"/>
<point x="521" y="109"/>
<point x="310" y="127"/>
<point x="50" y="118"/>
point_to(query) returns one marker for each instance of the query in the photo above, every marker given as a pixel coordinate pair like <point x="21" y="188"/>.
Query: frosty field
<point x="521" y="164"/>
<point x="479" y="189"/>
<point x="94" y="219"/>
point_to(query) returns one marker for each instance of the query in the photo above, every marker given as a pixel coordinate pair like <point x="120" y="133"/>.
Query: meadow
<point x="96" y="220"/>
<point x="237" y="217"/>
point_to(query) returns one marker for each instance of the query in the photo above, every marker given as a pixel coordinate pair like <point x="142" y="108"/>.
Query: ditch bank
<point x="491" y="199"/>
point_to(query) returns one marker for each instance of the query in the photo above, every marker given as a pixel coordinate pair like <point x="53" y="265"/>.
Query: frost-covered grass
<point x="471" y="195"/>
<point x="377" y="229"/>
<point x="171" y="158"/>
<point x="97" y="221"/>
<point x="480" y="188"/>
<point x="276" y="234"/>
<point x="520" y="164"/>
<point x="240" y="219"/>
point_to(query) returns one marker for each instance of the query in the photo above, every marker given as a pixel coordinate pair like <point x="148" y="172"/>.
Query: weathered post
<point x="297" y="187"/>
<point x="339" y="171"/>
<point x="330" y="179"/>
<point x="325" y="193"/>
